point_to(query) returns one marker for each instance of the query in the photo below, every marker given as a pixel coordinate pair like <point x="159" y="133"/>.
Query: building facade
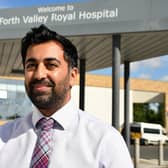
<point x="98" y="97"/>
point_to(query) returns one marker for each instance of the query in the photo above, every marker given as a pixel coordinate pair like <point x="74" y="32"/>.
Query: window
<point x="151" y="131"/>
<point x="135" y="129"/>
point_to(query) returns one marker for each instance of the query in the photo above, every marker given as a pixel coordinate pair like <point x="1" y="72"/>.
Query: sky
<point x="152" y="69"/>
<point x="28" y="3"/>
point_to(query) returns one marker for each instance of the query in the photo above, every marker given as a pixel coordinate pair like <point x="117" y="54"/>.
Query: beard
<point x="54" y="97"/>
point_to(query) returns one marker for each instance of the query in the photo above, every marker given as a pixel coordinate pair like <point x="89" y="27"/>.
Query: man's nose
<point x="41" y="72"/>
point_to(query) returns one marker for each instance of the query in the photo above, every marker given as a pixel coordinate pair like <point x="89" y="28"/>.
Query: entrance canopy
<point x="97" y="50"/>
<point x="90" y="25"/>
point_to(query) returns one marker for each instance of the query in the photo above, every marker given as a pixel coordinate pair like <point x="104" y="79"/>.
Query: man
<point x="76" y="139"/>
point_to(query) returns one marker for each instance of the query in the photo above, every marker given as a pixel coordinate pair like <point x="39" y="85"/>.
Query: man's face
<point x="47" y="77"/>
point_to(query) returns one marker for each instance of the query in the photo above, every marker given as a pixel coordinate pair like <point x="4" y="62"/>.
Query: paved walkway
<point x="152" y="164"/>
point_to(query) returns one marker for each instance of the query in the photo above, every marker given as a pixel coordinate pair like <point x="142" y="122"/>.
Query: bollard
<point x="160" y="153"/>
<point x="136" y="153"/>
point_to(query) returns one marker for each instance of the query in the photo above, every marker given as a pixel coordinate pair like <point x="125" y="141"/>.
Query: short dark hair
<point x="43" y="34"/>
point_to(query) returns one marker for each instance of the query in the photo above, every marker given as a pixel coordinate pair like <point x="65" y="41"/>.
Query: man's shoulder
<point x="99" y="131"/>
<point x="93" y="123"/>
<point x="14" y="127"/>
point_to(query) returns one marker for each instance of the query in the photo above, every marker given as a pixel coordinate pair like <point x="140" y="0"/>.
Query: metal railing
<point x="137" y="148"/>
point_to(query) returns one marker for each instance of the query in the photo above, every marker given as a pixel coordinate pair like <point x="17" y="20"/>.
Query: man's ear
<point x="73" y="76"/>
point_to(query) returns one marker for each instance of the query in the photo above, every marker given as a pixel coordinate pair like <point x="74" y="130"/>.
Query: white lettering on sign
<point x="8" y="21"/>
<point x="63" y="17"/>
<point x="51" y="9"/>
<point x="97" y="15"/>
<point x="60" y="14"/>
<point x="35" y="19"/>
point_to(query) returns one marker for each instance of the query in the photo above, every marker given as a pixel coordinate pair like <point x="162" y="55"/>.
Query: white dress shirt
<point x="82" y="141"/>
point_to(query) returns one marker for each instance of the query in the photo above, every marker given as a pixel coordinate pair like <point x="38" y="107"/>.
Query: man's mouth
<point x="41" y="88"/>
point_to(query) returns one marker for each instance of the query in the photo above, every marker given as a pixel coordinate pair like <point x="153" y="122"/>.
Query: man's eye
<point x="30" y="66"/>
<point x="51" y="66"/>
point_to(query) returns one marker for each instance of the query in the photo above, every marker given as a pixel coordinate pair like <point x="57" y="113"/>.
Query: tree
<point x="139" y="114"/>
<point x="143" y="113"/>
